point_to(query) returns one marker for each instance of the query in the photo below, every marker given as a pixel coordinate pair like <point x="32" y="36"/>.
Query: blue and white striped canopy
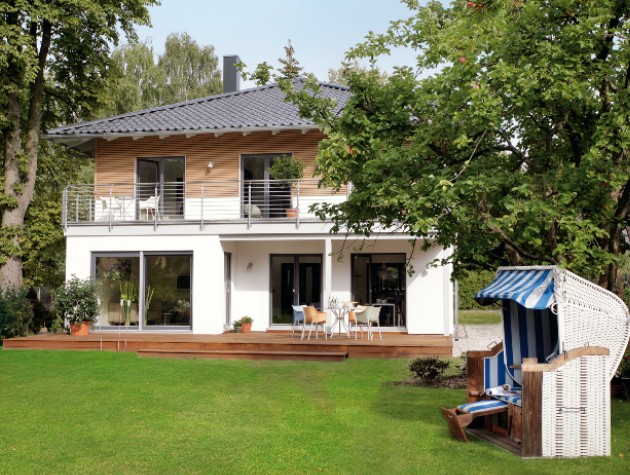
<point x="531" y="288"/>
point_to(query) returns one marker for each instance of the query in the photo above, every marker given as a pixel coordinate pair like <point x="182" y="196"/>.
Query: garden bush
<point x="16" y="313"/>
<point x="469" y="284"/>
<point x="430" y="370"/>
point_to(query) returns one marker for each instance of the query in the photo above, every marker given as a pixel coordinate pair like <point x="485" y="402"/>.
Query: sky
<point x="321" y="31"/>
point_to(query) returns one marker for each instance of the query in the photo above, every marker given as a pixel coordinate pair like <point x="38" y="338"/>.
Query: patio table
<point x="340" y="313"/>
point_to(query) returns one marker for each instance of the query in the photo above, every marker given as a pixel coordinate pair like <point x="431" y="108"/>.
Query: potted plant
<point x="237" y="326"/>
<point x="288" y="170"/>
<point x="76" y="302"/>
<point x="128" y="295"/>
<point x="246" y="324"/>
<point x="183" y="308"/>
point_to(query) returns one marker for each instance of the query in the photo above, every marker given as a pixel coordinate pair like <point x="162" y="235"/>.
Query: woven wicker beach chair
<point x="563" y="338"/>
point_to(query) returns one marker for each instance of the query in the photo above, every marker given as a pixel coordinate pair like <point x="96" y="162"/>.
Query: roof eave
<point x="76" y="140"/>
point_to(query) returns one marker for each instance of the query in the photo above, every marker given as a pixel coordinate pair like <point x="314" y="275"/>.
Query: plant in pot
<point x="237" y="326"/>
<point x="246" y="324"/>
<point x="287" y="170"/>
<point x="128" y="296"/>
<point x="76" y="302"/>
<point x="183" y="308"/>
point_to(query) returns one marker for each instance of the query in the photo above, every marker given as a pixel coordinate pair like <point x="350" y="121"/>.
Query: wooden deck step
<point x="243" y="354"/>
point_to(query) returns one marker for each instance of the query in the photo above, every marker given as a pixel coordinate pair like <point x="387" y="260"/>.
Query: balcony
<point x="204" y="202"/>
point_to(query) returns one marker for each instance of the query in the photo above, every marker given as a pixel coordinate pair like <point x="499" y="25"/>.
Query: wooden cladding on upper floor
<point x="116" y="159"/>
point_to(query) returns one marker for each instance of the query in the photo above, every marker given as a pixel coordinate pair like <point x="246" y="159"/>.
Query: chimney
<point x="231" y="76"/>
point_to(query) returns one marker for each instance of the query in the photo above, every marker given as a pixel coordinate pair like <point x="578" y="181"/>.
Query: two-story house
<point x="184" y="219"/>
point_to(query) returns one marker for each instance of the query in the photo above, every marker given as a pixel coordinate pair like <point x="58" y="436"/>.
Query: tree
<point x="43" y="245"/>
<point x="340" y="76"/>
<point x="135" y="81"/>
<point x="53" y="60"/>
<point x="516" y="151"/>
<point x="263" y="74"/>
<point x="190" y="71"/>
<point x="290" y="68"/>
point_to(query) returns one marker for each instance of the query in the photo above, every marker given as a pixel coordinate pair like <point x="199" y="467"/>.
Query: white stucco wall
<point x="208" y="301"/>
<point x="429" y="296"/>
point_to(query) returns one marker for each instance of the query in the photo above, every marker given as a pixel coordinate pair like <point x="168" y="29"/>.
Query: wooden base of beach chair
<point x="456" y="423"/>
<point x="458" y="419"/>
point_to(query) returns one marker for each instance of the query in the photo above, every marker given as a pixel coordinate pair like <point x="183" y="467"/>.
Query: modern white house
<point x="185" y="221"/>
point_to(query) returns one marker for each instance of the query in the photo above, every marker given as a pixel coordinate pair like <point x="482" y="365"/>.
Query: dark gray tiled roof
<point x="250" y="109"/>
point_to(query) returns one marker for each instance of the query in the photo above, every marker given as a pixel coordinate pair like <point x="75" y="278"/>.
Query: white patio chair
<point x="369" y="317"/>
<point x="151" y="204"/>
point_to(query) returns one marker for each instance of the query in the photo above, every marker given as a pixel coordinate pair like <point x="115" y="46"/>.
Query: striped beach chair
<point x="563" y="338"/>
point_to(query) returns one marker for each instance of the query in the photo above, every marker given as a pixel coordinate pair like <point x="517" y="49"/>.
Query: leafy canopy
<point x="509" y="139"/>
<point x="184" y="71"/>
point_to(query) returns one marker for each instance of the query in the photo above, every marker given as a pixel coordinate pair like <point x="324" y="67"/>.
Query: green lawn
<point x="91" y="412"/>
<point x="479" y="317"/>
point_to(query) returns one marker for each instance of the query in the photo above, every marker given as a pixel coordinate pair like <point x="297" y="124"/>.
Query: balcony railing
<point x="249" y="201"/>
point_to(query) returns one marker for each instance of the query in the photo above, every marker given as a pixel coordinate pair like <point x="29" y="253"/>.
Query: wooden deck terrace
<point x="255" y="345"/>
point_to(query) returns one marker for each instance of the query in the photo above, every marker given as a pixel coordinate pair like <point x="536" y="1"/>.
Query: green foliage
<point x="288" y="168"/>
<point x="623" y="371"/>
<point x="16" y="313"/>
<point x="43" y="317"/>
<point x="246" y="319"/>
<point x="183" y="72"/>
<point x="341" y="75"/>
<point x="43" y="245"/>
<point x="430" y="370"/>
<point x="290" y="68"/>
<point x="76" y="300"/>
<point x="128" y="290"/>
<point x="469" y="283"/>
<point x="260" y="76"/>
<point x="511" y="145"/>
<point x="54" y="62"/>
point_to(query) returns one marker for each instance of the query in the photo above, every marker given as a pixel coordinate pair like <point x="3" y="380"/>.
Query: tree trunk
<point x="19" y="181"/>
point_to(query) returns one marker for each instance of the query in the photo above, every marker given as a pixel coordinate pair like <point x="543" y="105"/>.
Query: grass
<point x="90" y="412"/>
<point x="479" y="317"/>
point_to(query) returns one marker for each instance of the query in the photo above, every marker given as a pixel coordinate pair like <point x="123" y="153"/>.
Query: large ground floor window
<point x="295" y="280"/>
<point x="380" y="279"/>
<point x="144" y="290"/>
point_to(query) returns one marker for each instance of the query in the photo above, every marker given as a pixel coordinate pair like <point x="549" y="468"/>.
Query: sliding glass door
<point x="118" y="280"/>
<point x="295" y="280"/>
<point x="261" y="197"/>
<point x="380" y="279"/>
<point x="162" y="179"/>
<point x="144" y="290"/>
<point x="167" y="283"/>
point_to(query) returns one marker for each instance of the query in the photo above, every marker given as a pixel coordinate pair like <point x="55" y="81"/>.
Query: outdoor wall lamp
<point x="210" y="165"/>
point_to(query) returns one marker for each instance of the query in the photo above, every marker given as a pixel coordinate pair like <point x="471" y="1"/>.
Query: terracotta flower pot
<point x="80" y="329"/>
<point x="246" y="328"/>
<point x="292" y="213"/>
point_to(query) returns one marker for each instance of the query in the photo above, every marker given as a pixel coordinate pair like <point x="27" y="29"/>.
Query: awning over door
<point x="531" y="288"/>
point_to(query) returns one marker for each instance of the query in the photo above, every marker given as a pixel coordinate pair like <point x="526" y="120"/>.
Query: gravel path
<point x="475" y="337"/>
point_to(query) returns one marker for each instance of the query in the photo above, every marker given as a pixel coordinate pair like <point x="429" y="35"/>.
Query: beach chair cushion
<point x="479" y="407"/>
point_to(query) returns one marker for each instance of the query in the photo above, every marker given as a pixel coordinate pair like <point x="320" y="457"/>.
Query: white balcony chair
<point x="151" y="204"/>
